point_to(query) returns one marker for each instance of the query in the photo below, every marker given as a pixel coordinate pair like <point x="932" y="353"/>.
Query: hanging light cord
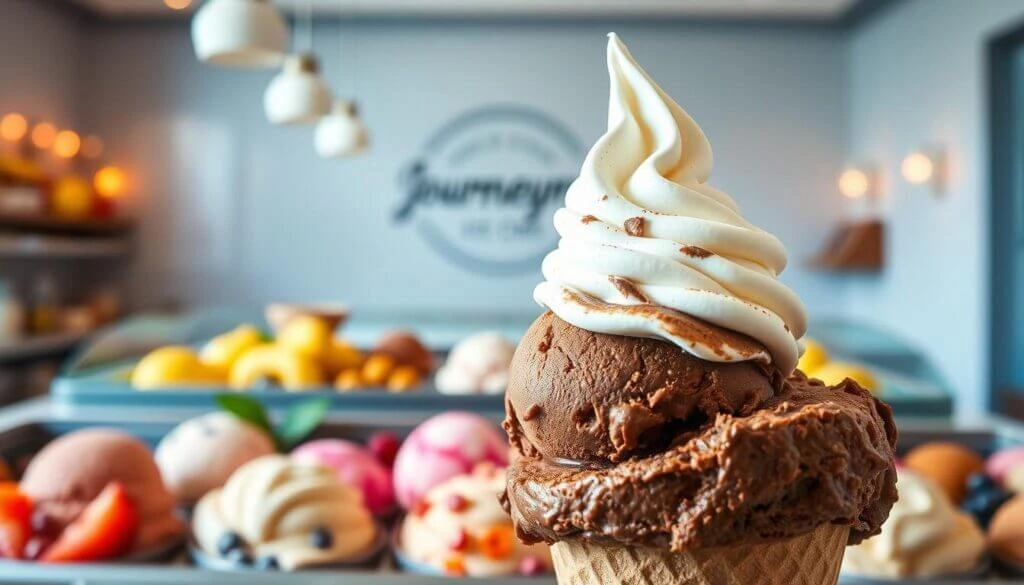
<point x="304" y="28"/>
<point x="347" y="54"/>
<point x="354" y="60"/>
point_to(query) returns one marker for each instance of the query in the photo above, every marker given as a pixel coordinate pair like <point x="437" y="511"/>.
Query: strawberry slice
<point x="106" y="529"/>
<point x="15" y="521"/>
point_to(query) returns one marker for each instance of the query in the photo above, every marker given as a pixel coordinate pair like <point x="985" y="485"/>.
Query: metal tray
<point x="108" y="386"/>
<point x="25" y="430"/>
<point x="98" y="375"/>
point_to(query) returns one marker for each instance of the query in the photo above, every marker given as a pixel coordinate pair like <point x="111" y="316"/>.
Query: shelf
<point x="42" y="246"/>
<point x="54" y="225"/>
<point x="41" y="346"/>
<point x="853" y="247"/>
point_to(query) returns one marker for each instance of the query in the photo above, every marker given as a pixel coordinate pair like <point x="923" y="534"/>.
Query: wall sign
<point x="484" y="187"/>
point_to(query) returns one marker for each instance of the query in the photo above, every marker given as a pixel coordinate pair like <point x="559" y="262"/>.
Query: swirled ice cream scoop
<point x="285" y="513"/>
<point x="460" y="528"/>
<point x="924" y="536"/>
<point x="645" y="238"/>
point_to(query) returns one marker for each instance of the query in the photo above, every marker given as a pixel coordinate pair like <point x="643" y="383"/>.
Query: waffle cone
<point x="811" y="559"/>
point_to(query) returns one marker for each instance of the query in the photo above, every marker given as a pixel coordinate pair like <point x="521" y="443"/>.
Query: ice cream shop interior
<point x="383" y="292"/>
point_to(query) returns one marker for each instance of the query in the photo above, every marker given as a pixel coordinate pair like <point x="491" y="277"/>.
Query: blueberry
<point x="238" y="556"/>
<point x="322" y="538"/>
<point x="229" y="541"/>
<point x="977" y="482"/>
<point x="972" y="505"/>
<point x="266" y="563"/>
<point x="983" y="504"/>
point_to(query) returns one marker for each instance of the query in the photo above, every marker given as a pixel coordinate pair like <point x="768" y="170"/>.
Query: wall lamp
<point x="925" y="166"/>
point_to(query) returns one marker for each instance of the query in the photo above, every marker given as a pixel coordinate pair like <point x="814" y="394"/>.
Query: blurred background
<point x="139" y="176"/>
<point x="325" y="219"/>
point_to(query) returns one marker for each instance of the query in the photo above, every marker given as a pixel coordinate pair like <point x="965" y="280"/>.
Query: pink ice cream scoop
<point x="355" y="466"/>
<point x="1002" y="462"/>
<point x="442" y="447"/>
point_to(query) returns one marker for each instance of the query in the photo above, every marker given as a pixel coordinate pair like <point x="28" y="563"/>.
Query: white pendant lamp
<point x="298" y="95"/>
<point x="342" y="133"/>
<point x="239" y="33"/>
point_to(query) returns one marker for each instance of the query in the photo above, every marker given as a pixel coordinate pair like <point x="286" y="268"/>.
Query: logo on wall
<point x="482" y="192"/>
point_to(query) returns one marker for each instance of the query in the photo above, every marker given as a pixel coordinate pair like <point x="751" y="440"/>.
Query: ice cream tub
<point x="407" y="564"/>
<point x="371" y="559"/>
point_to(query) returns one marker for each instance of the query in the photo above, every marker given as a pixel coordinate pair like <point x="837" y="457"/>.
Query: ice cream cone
<point x="811" y="559"/>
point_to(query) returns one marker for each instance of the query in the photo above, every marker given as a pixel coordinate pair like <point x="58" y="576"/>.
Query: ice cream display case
<point x="469" y="377"/>
<point x="184" y="362"/>
<point x="387" y="521"/>
<point x="32" y="434"/>
<point x="880" y="361"/>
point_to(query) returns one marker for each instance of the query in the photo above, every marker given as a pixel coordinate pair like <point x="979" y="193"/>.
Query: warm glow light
<point x="854" y="183"/>
<point x="110" y="182"/>
<point x="92" y="147"/>
<point x="13" y="127"/>
<point x="66" y="144"/>
<point x="71" y="197"/>
<point x="918" y="168"/>
<point x="178" y="4"/>
<point x="43" y="135"/>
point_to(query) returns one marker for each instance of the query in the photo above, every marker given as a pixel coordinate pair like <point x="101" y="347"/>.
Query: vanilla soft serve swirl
<point x="644" y="238"/>
<point x="275" y="503"/>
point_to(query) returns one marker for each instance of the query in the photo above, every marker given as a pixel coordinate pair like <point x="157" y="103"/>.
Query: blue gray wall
<point x="236" y="210"/>
<point x="917" y="77"/>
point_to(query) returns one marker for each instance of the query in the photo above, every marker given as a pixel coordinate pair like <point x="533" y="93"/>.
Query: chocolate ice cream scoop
<point x="597" y="398"/>
<point x="656" y="437"/>
<point x="812" y="455"/>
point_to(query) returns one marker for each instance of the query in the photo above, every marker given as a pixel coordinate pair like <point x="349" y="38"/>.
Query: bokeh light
<point x="917" y="168"/>
<point x="13" y="127"/>
<point x="43" y="135"/>
<point x="71" y="198"/>
<point x="854" y="183"/>
<point x="110" y="182"/>
<point x="66" y="144"/>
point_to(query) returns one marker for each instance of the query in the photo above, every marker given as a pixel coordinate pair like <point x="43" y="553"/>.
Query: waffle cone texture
<point x="811" y="559"/>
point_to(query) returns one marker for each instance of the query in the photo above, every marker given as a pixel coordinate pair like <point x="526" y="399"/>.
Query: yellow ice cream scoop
<point x="222" y="351"/>
<point x="833" y="373"/>
<point x="341" y="356"/>
<point x="815" y="355"/>
<point x="307" y="334"/>
<point x="294" y="370"/>
<point x="173" y="366"/>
